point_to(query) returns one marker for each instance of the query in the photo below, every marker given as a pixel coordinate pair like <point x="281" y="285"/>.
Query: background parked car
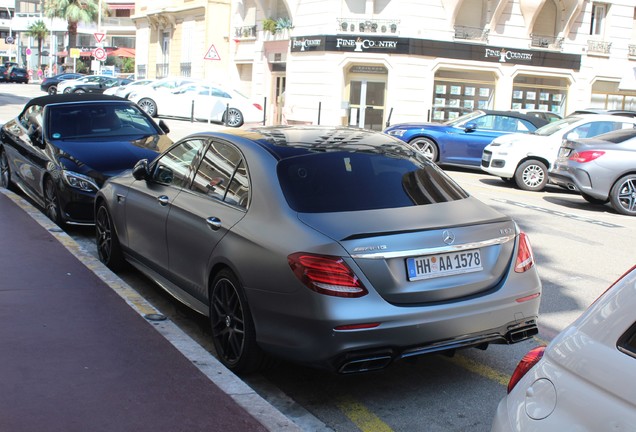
<point x="601" y="169"/>
<point x="624" y="113"/>
<point x="160" y="85"/>
<point x="125" y="89"/>
<point x="94" y="84"/>
<point x="371" y="252"/>
<point x="17" y="75"/>
<point x="201" y="101"/>
<point x="50" y="84"/>
<point x="461" y="141"/>
<point x="584" y="380"/>
<point x="546" y="115"/>
<point x="526" y="158"/>
<point x="60" y="150"/>
<point x="68" y="86"/>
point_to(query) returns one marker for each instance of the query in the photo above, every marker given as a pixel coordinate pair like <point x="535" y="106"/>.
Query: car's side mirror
<point x="469" y="127"/>
<point x="164" y="127"/>
<point x="141" y="170"/>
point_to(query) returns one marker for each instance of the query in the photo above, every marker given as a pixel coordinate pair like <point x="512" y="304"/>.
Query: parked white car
<point x="201" y="101"/>
<point x="584" y="380"/>
<point x="125" y="90"/>
<point x="161" y="85"/>
<point x="526" y="158"/>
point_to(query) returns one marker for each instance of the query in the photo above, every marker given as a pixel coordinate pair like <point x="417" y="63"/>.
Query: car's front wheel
<point x="532" y="175"/>
<point x="52" y="90"/>
<point x="108" y="247"/>
<point x="623" y="195"/>
<point x="233" y="331"/>
<point x="52" y="207"/>
<point x="425" y="146"/>
<point x="149" y="106"/>
<point x="233" y="117"/>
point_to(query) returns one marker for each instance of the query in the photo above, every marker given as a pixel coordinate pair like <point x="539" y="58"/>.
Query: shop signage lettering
<point x="305" y="44"/>
<point x="360" y="44"/>
<point x="506" y="55"/>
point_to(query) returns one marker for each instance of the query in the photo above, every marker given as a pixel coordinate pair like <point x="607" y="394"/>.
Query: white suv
<point x="526" y="158"/>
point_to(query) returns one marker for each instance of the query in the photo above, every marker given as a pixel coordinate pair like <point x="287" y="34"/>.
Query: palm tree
<point x="39" y="31"/>
<point x="74" y="12"/>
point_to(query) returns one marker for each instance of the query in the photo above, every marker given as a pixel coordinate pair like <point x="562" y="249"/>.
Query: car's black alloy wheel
<point x="51" y="202"/>
<point x="5" y="171"/>
<point x="108" y="247"/>
<point x="623" y="195"/>
<point x="233" y="330"/>
<point x="52" y="90"/>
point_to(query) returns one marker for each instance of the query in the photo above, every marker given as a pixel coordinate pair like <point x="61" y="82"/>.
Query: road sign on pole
<point x="99" y="36"/>
<point x="99" y="54"/>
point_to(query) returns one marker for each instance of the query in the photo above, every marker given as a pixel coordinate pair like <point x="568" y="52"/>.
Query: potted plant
<point x="269" y="25"/>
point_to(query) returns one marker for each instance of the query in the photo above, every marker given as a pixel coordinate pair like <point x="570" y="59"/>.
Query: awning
<point x="82" y="54"/>
<point x="121" y="6"/>
<point x="628" y="82"/>
<point x="122" y="52"/>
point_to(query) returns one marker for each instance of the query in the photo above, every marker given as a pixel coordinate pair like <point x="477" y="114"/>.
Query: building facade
<point x="369" y="62"/>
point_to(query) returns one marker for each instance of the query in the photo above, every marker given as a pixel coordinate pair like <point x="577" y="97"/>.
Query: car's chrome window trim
<point x="436" y="250"/>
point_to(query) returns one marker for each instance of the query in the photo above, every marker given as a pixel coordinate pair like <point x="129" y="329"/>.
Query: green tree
<point x="38" y="30"/>
<point x="74" y="12"/>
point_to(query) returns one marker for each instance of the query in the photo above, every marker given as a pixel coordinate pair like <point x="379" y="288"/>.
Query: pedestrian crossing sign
<point x="212" y="54"/>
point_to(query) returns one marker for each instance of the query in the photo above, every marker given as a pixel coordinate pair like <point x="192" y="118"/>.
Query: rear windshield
<point x="350" y="181"/>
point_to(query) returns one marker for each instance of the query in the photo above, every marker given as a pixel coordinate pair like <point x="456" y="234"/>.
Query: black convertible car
<point x="60" y="150"/>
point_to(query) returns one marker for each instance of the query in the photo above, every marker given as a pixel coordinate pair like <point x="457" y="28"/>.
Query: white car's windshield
<point x="555" y="127"/>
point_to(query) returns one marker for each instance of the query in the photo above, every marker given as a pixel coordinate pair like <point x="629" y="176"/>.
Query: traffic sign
<point x="212" y="54"/>
<point x="99" y="36"/>
<point x="9" y="40"/>
<point x="99" y="54"/>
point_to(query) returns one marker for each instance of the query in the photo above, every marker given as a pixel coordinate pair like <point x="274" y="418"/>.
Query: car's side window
<point x="222" y="175"/>
<point x="173" y="168"/>
<point x="32" y="117"/>
<point x="627" y="342"/>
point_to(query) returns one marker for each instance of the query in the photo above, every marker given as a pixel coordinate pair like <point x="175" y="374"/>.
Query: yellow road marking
<point x="364" y="419"/>
<point x="480" y="369"/>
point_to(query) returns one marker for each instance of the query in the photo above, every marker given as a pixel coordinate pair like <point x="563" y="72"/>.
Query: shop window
<point x="453" y="99"/>
<point x="539" y="93"/>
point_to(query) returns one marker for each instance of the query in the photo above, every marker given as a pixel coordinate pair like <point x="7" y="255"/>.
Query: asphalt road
<point x="579" y="250"/>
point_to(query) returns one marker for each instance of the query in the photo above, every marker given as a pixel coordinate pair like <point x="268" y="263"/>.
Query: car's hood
<point x="102" y="159"/>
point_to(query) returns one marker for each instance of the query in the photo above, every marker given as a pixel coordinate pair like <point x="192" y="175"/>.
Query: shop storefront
<point x="474" y="81"/>
<point x="608" y="95"/>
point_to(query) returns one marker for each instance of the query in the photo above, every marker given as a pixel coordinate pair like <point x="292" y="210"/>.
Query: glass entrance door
<point x="366" y="103"/>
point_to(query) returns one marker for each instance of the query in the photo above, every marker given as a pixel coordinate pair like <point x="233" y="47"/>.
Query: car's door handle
<point x="214" y="223"/>
<point x="163" y="200"/>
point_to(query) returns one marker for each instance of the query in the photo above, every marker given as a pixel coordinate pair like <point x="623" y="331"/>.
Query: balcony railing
<point x="548" y="42"/>
<point x="245" y="32"/>
<point x="361" y="25"/>
<point x="186" y="69"/>
<point x="632" y="50"/>
<point x="598" y="47"/>
<point x="162" y="70"/>
<point x="471" y="33"/>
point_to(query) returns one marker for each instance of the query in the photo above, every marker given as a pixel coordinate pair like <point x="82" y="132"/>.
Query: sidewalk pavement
<point x="80" y="350"/>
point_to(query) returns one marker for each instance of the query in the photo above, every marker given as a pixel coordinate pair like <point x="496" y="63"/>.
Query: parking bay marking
<point x="557" y="213"/>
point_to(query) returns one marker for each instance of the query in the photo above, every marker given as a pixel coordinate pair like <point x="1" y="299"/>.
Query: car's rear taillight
<point x="525" y="365"/>
<point x="525" y="258"/>
<point x="328" y="275"/>
<point x="586" y="156"/>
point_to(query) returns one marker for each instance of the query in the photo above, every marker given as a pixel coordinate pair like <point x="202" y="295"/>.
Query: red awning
<point x="122" y="52"/>
<point x="112" y="6"/>
<point x="82" y="54"/>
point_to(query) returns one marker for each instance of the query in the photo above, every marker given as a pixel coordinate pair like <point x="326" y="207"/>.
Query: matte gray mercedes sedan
<point x="333" y="247"/>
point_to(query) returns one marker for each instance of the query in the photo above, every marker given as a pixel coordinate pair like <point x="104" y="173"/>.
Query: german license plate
<point x="432" y="266"/>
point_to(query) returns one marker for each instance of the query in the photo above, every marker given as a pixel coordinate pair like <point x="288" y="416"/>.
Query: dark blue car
<point x="461" y="141"/>
<point x="61" y="149"/>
